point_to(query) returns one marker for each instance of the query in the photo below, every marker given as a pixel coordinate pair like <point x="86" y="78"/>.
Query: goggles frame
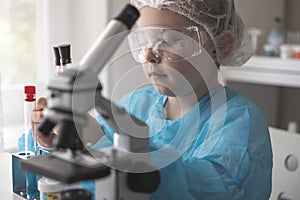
<point x="174" y="44"/>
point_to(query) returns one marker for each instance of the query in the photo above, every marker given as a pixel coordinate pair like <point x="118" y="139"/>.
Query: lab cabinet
<point x="286" y="170"/>
<point x="272" y="83"/>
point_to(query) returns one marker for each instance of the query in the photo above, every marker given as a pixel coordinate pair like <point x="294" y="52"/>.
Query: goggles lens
<point x="173" y="44"/>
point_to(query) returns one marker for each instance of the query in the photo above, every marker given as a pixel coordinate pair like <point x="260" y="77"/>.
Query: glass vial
<point x="29" y="103"/>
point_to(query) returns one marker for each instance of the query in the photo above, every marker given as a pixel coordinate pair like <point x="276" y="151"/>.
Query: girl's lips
<point x="156" y="76"/>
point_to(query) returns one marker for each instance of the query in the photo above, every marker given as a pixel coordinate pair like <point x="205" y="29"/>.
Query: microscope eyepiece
<point x="65" y="54"/>
<point x="128" y="15"/>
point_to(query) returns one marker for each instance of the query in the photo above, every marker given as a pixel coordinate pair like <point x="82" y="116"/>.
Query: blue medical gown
<point x="223" y="142"/>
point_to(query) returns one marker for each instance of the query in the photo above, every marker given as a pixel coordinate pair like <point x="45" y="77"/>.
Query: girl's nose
<point x="152" y="57"/>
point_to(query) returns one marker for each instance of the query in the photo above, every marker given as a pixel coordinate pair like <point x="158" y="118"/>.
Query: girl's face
<point x="177" y="78"/>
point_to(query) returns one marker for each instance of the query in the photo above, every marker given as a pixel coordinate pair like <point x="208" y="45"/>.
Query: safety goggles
<point x="173" y="44"/>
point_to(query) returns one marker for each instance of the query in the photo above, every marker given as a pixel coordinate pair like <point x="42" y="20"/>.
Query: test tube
<point x="29" y="105"/>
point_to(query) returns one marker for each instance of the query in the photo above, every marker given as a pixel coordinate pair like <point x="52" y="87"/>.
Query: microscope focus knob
<point x="146" y="182"/>
<point x="46" y="126"/>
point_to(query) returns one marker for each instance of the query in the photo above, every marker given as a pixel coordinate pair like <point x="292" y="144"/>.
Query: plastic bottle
<point x="255" y="37"/>
<point x="287" y="51"/>
<point x="49" y="188"/>
<point x="292" y="127"/>
<point x="297" y="51"/>
<point x="270" y="50"/>
<point x="276" y="35"/>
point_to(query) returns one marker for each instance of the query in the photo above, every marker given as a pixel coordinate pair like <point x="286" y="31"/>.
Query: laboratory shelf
<point x="265" y="70"/>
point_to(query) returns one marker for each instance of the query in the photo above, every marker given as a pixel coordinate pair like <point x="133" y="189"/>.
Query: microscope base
<point x="62" y="170"/>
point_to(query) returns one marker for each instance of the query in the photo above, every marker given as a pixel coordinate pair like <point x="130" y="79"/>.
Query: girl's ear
<point x="224" y="43"/>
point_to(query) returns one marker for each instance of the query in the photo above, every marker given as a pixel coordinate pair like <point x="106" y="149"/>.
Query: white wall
<point x="89" y="17"/>
<point x="79" y="23"/>
<point x="123" y="74"/>
<point x="115" y="6"/>
<point x="70" y="21"/>
<point x="260" y="13"/>
<point x="293" y="15"/>
<point x="54" y="24"/>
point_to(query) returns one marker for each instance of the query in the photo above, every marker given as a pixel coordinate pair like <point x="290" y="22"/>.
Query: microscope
<point x="122" y="171"/>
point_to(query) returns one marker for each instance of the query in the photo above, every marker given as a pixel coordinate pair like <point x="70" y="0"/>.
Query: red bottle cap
<point x="29" y="91"/>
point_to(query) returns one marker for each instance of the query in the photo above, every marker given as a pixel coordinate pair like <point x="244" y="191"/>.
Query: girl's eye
<point x="172" y="42"/>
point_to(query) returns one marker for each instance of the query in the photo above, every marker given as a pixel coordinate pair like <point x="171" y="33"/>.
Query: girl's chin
<point x="178" y="92"/>
<point x="163" y="90"/>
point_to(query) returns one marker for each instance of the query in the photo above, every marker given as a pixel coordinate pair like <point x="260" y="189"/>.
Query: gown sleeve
<point x="233" y="162"/>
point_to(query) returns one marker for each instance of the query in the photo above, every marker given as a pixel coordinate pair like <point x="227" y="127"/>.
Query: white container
<point x="296" y="48"/>
<point x="297" y="51"/>
<point x="49" y="188"/>
<point x="287" y="51"/>
<point x="292" y="127"/>
<point x="255" y="36"/>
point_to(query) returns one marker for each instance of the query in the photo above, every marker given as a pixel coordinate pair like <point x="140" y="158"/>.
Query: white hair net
<point x="215" y="16"/>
